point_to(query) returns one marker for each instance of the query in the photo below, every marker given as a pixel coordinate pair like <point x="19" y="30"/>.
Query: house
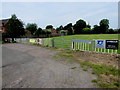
<point x="63" y="32"/>
<point x="3" y="25"/>
<point x="53" y="31"/>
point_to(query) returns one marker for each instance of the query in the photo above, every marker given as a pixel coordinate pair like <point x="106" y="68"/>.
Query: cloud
<point x="61" y="13"/>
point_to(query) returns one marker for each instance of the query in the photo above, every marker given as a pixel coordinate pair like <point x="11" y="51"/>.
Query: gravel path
<point x="28" y="66"/>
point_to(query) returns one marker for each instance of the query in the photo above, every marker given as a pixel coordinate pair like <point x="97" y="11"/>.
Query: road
<point x="29" y="66"/>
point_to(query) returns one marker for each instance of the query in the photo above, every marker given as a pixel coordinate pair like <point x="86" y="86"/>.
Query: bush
<point x="86" y="30"/>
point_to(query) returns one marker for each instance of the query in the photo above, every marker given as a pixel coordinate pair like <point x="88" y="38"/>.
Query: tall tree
<point x="59" y="28"/>
<point x="48" y="32"/>
<point x="104" y="25"/>
<point x="31" y="27"/>
<point x="110" y="31"/>
<point x="80" y="24"/>
<point x="88" y="26"/>
<point x="15" y="28"/>
<point x="38" y="32"/>
<point x="49" y="27"/>
<point x="67" y="26"/>
<point x="70" y="31"/>
<point x="96" y="29"/>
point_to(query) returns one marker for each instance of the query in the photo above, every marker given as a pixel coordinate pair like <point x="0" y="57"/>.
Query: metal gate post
<point x="52" y="40"/>
<point x="93" y="45"/>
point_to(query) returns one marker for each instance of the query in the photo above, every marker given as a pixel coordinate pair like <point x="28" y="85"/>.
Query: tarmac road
<point x="28" y="66"/>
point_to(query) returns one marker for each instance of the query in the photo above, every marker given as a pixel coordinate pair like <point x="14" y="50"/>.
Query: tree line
<point x="16" y="28"/>
<point x="81" y="27"/>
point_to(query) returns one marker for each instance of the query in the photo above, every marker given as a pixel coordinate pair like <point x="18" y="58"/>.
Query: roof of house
<point x="4" y="22"/>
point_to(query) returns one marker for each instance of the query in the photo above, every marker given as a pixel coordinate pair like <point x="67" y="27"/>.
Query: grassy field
<point x="93" y="36"/>
<point x="66" y="41"/>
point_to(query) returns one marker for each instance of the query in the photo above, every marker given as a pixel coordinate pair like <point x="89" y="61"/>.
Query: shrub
<point x="86" y="30"/>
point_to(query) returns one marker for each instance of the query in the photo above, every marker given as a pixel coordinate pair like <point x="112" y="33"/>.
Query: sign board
<point x="100" y="43"/>
<point x="112" y="44"/>
<point x="39" y="41"/>
<point x="32" y="40"/>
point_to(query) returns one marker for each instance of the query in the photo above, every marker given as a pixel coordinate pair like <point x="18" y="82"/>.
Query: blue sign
<point x="100" y="44"/>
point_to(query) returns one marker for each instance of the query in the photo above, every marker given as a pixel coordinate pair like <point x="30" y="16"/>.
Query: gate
<point x="65" y="43"/>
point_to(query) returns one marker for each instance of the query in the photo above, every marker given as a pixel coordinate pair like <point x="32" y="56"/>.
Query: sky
<point x="61" y="13"/>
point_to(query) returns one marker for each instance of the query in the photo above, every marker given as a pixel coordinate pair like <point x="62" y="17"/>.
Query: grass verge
<point x="108" y="75"/>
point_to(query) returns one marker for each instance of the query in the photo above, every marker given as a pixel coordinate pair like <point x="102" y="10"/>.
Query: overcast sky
<point x="61" y="13"/>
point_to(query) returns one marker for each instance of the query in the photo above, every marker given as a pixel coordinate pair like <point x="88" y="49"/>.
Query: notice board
<point x="112" y="44"/>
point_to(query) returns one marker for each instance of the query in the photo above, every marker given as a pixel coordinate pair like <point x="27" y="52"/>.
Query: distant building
<point x="63" y="32"/>
<point x="53" y="31"/>
<point x="3" y="25"/>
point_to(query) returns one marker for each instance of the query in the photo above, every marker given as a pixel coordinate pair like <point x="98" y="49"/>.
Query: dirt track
<point x="28" y="66"/>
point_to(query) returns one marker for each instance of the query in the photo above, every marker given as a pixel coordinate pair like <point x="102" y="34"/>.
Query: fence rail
<point x="67" y="43"/>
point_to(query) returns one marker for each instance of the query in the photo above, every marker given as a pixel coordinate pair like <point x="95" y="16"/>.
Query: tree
<point x="49" y="27"/>
<point x="38" y="32"/>
<point x="88" y="26"/>
<point x="96" y="29"/>
<point x="80" y="24"/>
<point x="48" y="32"/>
<point x="70" y="31"/>
<point x="117" y="31"/>
<point x="15" y="28"/>
<point x="59" y="28"/>
<point x="87" y="30"/>
<point x="110" y="31"/>
<point x="43" y="32"/>
<point x="67" y="26"/>
<point x="104" y="25"/>
<point x="31" y="27"/>
<point x="63" y="32"/>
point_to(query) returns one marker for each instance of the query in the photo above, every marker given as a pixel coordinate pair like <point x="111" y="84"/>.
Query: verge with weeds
<point x="108" y="75"/>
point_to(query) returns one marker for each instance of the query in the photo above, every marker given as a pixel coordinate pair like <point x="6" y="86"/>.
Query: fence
<point x="68" y="43"/>
<point x="90" y="45"/>
<point x="22" y="40"/>
<point x="65" y="43"/>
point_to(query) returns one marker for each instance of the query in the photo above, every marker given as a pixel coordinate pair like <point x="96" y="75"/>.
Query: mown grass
<point x="93" y="36"/>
